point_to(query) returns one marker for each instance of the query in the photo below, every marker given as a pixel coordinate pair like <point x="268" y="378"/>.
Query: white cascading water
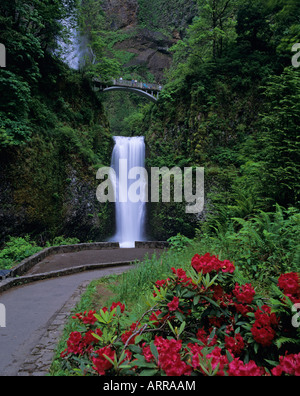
<point x="76" y="51"/>
<point x="130" y="216"/>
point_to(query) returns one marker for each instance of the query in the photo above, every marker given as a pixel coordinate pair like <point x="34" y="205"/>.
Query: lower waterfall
<point x="129" y="155"/>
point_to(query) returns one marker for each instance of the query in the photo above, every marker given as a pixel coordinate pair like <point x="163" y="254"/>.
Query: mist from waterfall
<point x="130" y="216"/>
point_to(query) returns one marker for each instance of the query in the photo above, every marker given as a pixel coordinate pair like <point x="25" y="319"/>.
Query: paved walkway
<point x="35" y="316"/>
<point x="62" y="261"/>
<point x="37" y="312"/>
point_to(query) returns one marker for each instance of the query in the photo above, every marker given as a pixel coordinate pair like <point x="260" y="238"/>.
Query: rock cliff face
<point x="145" y="22"/>
<point x="151" y="50"/>
<point x="121" y="14"/>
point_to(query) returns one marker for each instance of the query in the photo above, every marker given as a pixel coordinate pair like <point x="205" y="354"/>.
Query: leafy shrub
<point x="265" y="243"/>
<point x="61" y="240"/>
<point x="179" y="242"/>
<point x="199" y="322"/>
<point x="16" y="250"/>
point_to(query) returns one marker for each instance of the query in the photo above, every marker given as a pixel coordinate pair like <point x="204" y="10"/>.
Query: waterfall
<point x="129" y="156"/>
<point x="75" y="50"/>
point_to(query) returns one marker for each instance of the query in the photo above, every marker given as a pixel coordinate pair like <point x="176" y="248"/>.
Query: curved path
<point x="36" y="313"/>
<point x="33" y="313"/>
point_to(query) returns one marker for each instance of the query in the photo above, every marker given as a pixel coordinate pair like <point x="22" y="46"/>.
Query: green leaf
<point x="211" y="336"/>
<point x="135" y="348"/>
<point x="97" y="336"/>
<point x="272" y="362"/>
<point x="181" y="328"/>
<point x="229" y="356"/>
<point x="180" y="316"/>
<point x="148" y="373"/>
<point x="154" y="350"/>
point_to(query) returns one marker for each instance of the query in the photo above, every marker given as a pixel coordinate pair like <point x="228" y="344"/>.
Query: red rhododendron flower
<point x="116" y="304"/>
<point x="182" y="277"/>
<point x="125" y="337"/>
<point x="265" y="317"/>
<point x="74" y="343"/>
<point x="169" y="359"/>
<point x="262" y="330"/>
<point x="218" y="292"/>
<point x="89" y="338"/>
<point x="194" y="351"/>
<point x="161" y="283"/>
<point x="263" y="335"/>
<point x="244" y="293"/>
<point x="290" y="284"/>
<point x="101" y="364"/>
<point x="204" y="337"/>
<point x="86" y="318"/>
<point x="89" y="318"/>
<point x="217" y="359"/>
<point x="147" y="353"/>
<point x="209" y="263"/>
<point x="289" y="364"/>
<point x="174" y="304"/>
<point x="235" y="344"/>
<point x="239" y="369"/>
<point x="206" y="263"/>
<point x="227" y="266"/>
<point x="243" y="309"/>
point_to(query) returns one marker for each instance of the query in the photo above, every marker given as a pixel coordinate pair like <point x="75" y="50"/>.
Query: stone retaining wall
<point x="30" y="262"/>
<point x="16" y="274"/>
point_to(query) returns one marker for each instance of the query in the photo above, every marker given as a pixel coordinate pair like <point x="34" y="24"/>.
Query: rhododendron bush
<point x="199" y="322"/>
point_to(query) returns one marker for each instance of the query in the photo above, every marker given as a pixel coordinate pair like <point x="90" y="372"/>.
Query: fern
<point x="285" y="340"/>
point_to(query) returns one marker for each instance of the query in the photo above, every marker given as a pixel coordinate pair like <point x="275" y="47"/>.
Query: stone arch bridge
<point x="147" y="90"/>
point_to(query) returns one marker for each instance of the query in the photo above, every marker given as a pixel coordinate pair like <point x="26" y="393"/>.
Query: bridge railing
<point x="136" y="84"/>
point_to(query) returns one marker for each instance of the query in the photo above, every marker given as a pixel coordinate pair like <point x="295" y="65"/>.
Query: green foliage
<point x="264" y="245"/>
<point x="92" y="22"/>
<point x="27" y="29"/>
<point x="14" y="108"/>
<point x="179" y="242"/>
<point x="61" y="240"/>
<point x="17" y="249"/>
<point x="279" y="139"/>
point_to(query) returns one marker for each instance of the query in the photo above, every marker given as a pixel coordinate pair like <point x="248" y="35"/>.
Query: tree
<point x="214" y="28"/>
